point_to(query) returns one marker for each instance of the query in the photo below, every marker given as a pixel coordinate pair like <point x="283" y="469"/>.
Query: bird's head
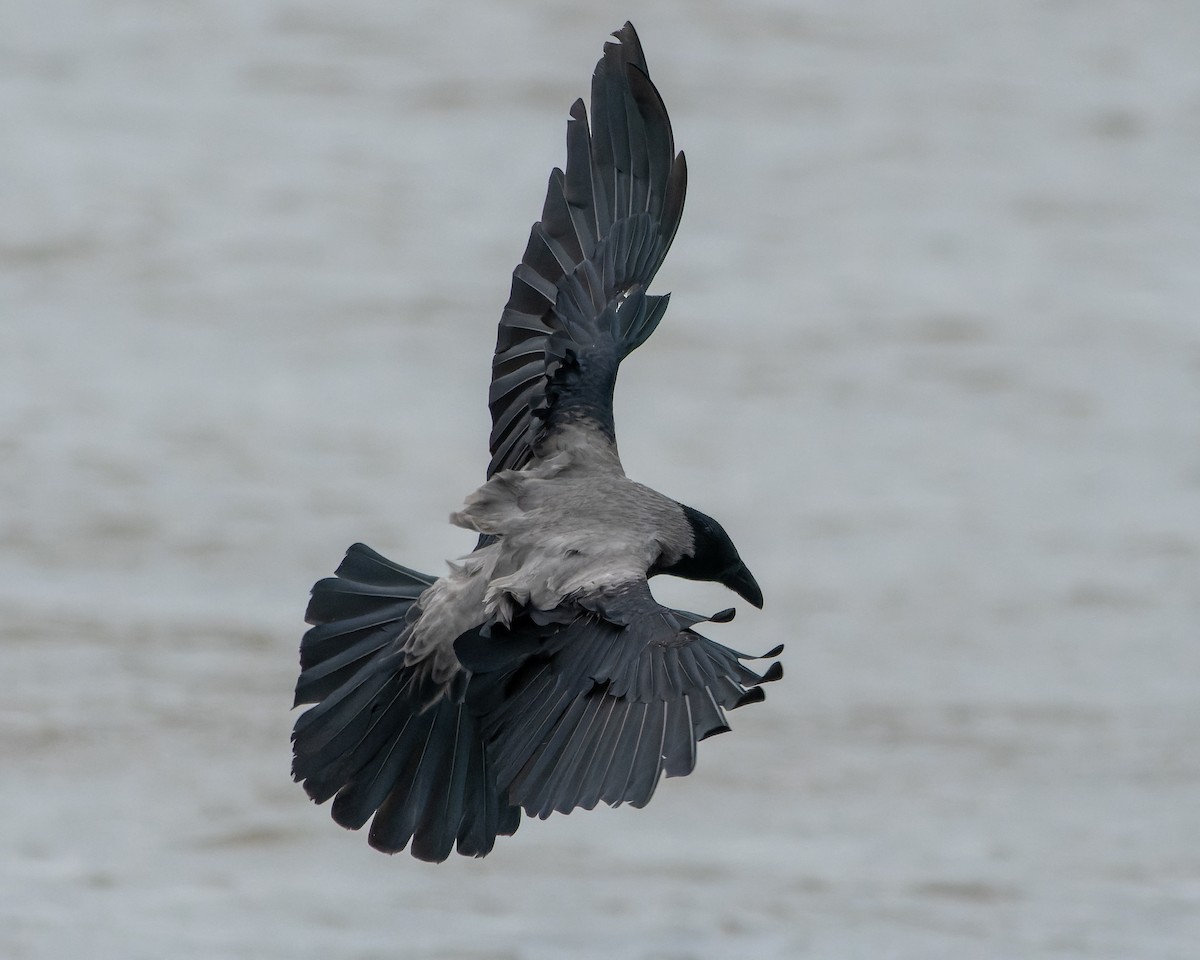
<point x="712" y="556"/>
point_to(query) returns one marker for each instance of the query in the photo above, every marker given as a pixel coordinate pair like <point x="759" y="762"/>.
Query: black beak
<point x="741" y="581"/>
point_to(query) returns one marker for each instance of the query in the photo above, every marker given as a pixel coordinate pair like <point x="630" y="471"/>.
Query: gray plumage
<point x="539" y="673"/>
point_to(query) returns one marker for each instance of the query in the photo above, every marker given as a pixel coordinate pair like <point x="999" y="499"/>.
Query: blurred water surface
<point x="933" y="358"/>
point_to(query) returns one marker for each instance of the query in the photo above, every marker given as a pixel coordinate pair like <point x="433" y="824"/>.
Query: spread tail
<point x="383" y="738"/>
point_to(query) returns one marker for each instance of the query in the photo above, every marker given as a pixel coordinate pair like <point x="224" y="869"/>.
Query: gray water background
<point x="933" y="358"/>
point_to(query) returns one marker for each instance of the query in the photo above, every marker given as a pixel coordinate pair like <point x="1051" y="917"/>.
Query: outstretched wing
<point x="597" y="700"/>
<point x="578" y="304"/>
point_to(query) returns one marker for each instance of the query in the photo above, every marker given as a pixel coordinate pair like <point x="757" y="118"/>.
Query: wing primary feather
<point x="513" y="775"/>
<point x="534" y="784"/>
<point x="620" y="772"/>
<point x="648" y="763"/>
<point x="679" y="739"/>
<point x="595" y="773"/>
<point x="565" y="786"/>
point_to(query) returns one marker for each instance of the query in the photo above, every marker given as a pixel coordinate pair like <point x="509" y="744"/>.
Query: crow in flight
<point x="539" y="673"/>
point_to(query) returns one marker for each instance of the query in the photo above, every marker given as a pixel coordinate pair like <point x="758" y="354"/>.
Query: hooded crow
<point x="539" y="674"/>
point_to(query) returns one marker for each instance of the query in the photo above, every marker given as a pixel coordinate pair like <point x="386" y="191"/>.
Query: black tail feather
<point x="355" y="614"/>
<point x="384" y="740"/>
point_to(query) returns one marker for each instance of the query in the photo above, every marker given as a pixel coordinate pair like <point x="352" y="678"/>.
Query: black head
<point x="715" y="558"/>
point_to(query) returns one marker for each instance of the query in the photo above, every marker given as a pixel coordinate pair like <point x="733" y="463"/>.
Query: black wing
<point x="578" y="304"/>
<point x="597" y="700"/>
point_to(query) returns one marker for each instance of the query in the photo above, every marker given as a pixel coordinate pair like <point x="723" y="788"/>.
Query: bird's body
<point x="539" y="673"/>
<point x="557" y="535"/>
